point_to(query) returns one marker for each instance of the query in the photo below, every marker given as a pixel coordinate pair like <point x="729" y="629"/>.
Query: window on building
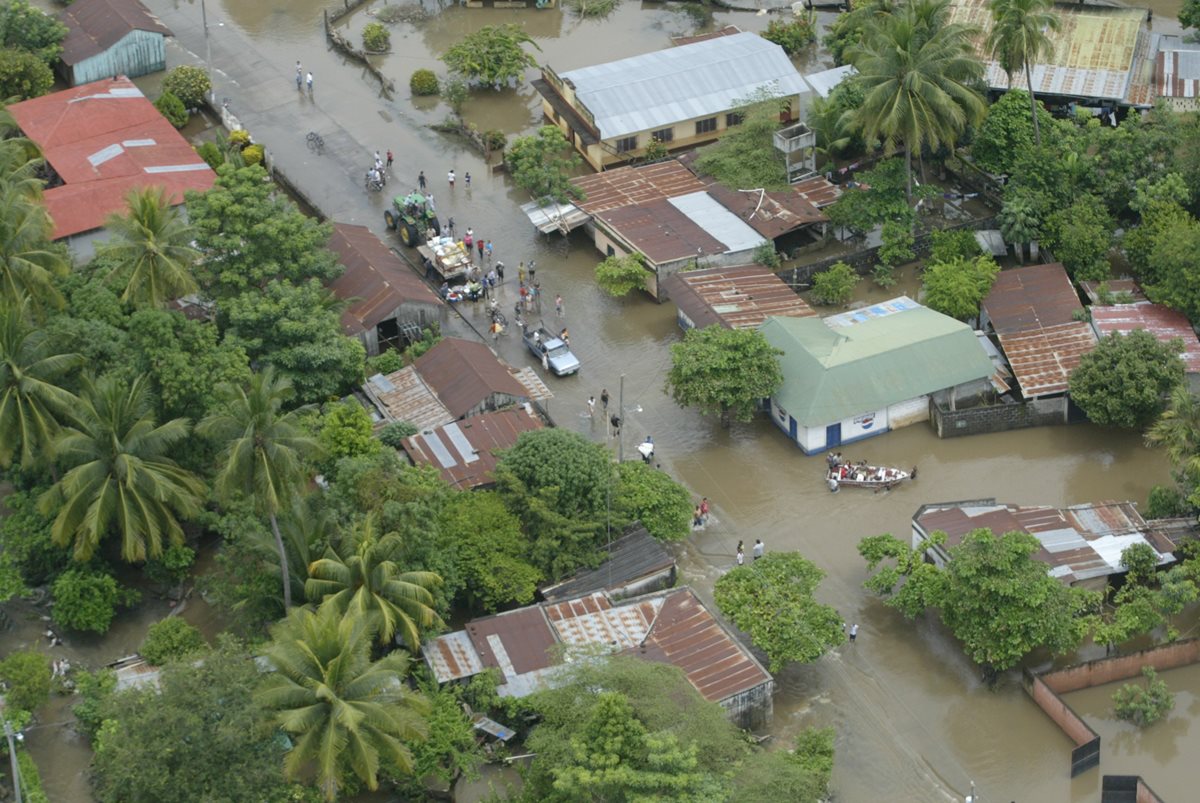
<point x="733" y="118"/>
<point x="663" y="135"/>
<point x="706" y="126"/>
<point x="626" y="144"/>
<point x="609" y="251"/>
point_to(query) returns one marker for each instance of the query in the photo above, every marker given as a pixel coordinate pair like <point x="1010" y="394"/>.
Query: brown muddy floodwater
<point x="913" y="721"/>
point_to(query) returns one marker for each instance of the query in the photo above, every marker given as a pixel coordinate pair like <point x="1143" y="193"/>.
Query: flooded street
<point x="914" y="723"/>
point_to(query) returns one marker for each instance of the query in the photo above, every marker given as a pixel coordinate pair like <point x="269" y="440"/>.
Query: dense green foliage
<point x="151" y="249"/>
<point x="1081" y="236"/>
<point x="947" y="245"/>
<point x="172" y="108"/>
<point x="792" y="35"/>
<point x="772" y="599"/>
<point x="650" y="496"/>
<point x="86" y="599"/>
<point x="29" y="28"/>
<point x="190" y="84"/>
<point x="170" y="640"/>
<point x="834" y="285"/>
<point x="23" y="75"/>
<point x="993" y="594"/>
<point x="492" y="56"/>
<point x="376" y="38"/>
<point x="745" y="156"/>
<point x="542" y="163"/>
<point x="724" y="371"/>
<point x="1006" y="132"/>
<point x="620" y="275"/>
<point x="878" y="200"/>
<point x="198" y="736"/>
<point x="1144" y="705"/>
<point x="1126" y="379"/>
<point x="394" y="433"/>
<point x="346" y="431"/>
<point x="487" y="552"/>
<point x="957" y="287"/>
<point x="1177" y="430"/>
<point x="1019" y="38"/>
<point x="26" y="679"/>
<point x="423" y="82"/>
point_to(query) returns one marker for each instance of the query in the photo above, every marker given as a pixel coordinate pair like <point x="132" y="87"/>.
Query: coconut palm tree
<point x="345" y="711"/>
<point x="32" y="402"/>
<point x="1177" y="430"/>
<point x="120" y="474"/>
<point x="361" y="578"/>
<point x="917" y="70"/>
<point x="264" y="451"/>
<point x="151" y="249"/>
<point x="29" y="264"/>
<point x="1018" y="39"/>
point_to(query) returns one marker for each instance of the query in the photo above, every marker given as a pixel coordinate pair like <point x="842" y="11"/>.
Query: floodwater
<point x="914" y="722"/>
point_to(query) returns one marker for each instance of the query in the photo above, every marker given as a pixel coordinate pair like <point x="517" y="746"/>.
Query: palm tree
<point x="120" y="475"/>
<point x="362" y="578"/>
<point x="1018" y="39"/>
<point x="264" y="451"/>
<point x="28" y="262"/>
<point x="152" y="249"/>
<point x="32" y="402"/>
<point x="345" y="711"/>
<point x="917" y="70"/>
<point x="1178" y="431"/>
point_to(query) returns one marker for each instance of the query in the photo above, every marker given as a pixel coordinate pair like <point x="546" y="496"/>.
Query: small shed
<point x="740" y="297"/>
<point x="636" y="563"/>
<point x="389" y="303"/>
<point x="111" y="37"/>
<point x="465" y="452"/>
<point x="1164" y="323"/>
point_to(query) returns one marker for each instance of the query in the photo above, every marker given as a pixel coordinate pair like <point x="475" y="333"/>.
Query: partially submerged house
<point x="100" y="141"/>
<point x="453" y="380"/>
<point x="389" y="304"/>
<point x="465" y="452"/>
<point x="1081" y="545"/>
<point x="529" y="646"/>
<point x="1100" y="55"/>
<point x="1167" y="326"/>
<point x="634" y="564"/>
<point x="868" y="371"/>
<point x="1032" y="312"/>
<point x="680" y="97"/>
<point x="676" y="220"/>
<point x="106" y="38"/>
<point x="739" y="297"/>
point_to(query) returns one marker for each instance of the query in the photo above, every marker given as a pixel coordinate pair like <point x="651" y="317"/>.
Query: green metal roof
<point x="833" y="373"/>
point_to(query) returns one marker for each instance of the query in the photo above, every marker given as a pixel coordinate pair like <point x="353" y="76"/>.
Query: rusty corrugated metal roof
<point x="1042" y="359"/>
<point x="1177" y="74"/>
<point x="404" y="396"/>
<point x="515" y="642"/>
<point x="375" y="277"/>
<point x="771" y="214"/>
<point x="661" y="232"/>
<point x="739" y="297"/>
<point x="464" y="373"/>
<point x="94" y="26"/>
<point x="685" y="634"/>
<point x="465" y="451"/>
<point x="1164" y="323"/>
<point x="1028" y="298"/>
<point x="634" y="556"/>
<point x="1077" y="542"/>
<point x="728" y="30"/>
<point x="629" y="186"/>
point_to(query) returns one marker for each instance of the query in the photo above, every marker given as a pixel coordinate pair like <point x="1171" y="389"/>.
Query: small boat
<point x="863" y="475"/>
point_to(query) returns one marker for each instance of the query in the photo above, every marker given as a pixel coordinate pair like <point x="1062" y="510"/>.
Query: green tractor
<point x="412" y="216"/>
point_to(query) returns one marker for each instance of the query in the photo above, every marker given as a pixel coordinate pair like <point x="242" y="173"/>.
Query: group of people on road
<point x="303" y="78"/>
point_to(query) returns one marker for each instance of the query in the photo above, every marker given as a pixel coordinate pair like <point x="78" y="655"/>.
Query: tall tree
<point x="33" y="403"/>
<point x="360" y="578"/>
<point x="348" y="714"/>
<point x="29" y="263"/>
<point x="1123" y="381"/>
<point x="1177" y="431"/>
<point x="726" y="371"/>
<point x="918" y="71"/>
<point x="151" y="249"/>
<point x="121" y="475"/>
<point x="1019" y="39"/>
<point x="263" y="451"/>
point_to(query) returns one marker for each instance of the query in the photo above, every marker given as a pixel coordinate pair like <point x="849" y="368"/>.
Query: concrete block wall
<point x="997" y="417"/>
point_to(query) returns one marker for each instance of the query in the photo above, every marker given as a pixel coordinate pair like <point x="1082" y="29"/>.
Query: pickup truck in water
<point x="558" y="354"/>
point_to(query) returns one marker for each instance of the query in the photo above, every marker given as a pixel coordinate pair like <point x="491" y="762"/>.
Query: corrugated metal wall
<point x="138" y="53"/>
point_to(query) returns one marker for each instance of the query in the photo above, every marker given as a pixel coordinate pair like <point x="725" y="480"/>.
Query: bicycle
<point x="498" y="317"/>
<point x="315" y="143"/>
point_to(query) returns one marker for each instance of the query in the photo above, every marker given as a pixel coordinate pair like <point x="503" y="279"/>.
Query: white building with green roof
<point x="867" y="371"/>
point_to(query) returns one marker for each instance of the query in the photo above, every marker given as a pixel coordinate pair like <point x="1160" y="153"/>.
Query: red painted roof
<point x="104" y="139"/>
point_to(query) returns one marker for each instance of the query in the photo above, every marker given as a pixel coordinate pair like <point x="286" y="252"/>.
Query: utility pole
<point x="621" y="418"/>
<point x="212" y="89"/>
<point x="12" y="754"/>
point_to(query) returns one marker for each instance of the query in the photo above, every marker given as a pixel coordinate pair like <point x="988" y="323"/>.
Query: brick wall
<point x="996" y="417"/>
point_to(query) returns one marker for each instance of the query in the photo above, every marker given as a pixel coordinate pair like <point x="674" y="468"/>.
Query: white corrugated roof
<point x="654" y="90"/>
<point x="824" y="82"/>
<point x="703" y="210"/>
